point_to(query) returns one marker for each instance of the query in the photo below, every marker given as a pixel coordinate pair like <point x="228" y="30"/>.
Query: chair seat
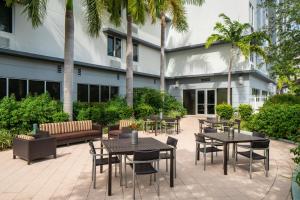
<point x="144" y="168"/>
<point x="164" y="156"/>
<point x="104" y="161"/>
<point x="210" y="149"/>
<point x="255" y="156"/>
<point x="245" y="146"/>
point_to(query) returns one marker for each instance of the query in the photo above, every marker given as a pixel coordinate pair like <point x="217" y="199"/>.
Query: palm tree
<point x="135" y="12"/>
<point x="36" y="11"/>
<point x="177" y="12"/>
<point x="235" y="33"/>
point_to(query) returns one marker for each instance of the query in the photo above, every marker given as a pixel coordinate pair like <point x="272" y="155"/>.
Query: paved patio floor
<point x="69" y="176"/>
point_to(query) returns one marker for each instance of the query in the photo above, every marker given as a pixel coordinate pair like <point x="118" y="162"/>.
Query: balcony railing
<point x="257" y="101"/>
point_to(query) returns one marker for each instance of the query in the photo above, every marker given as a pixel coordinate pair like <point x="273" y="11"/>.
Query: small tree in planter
<point x="245" y="111"/>
<point x="225" y="111"/>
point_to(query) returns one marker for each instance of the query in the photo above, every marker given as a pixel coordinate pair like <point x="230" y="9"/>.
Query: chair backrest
<point x="170" y="119"/>
<point x="147" y="155"/>
<point x="67" y="127"/>
<point x="93" y="150"/>
<point x="264" y="144"/>
<point x="199" y="138"/>
<point x="209" y="130"/>
<point x="258" y="134"/>
<point x="125" y="123"/>
<point x="172" y="141"/>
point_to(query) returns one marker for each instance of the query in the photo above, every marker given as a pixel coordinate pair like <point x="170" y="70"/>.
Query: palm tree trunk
<point x="129" y="62"/>
<point x="229" y="76"/>
<point x="162" y="52"/>
<point x="69" y="59"/>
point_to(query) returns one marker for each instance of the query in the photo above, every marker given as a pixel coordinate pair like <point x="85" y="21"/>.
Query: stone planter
<point x="295" y="186"/>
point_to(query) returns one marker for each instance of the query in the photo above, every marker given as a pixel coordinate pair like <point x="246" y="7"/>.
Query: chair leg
<point x="167" y="165"/>
<point x="204" y="157"/>
<point x="196" y="154"/>
<point x="175" y="171"/>
<point x="234" y="161"/>
<point x="116" y="170"/>
<point x="133" y="181"/>
<point x="120" y="170"/>
<point x="158" y="189"/>
<point x="94" y="176"/>
<point x="250" y="170"/>
<point x="125" y="171"/>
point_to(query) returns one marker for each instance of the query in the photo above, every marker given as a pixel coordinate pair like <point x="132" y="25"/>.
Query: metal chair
<point x="101" y="161"/>
<point x="256" y="145"/>
<point x="200" y="140"/>
<point x="256" y="134"/>
<point x="144" y="163"/>
<point x="166" y="156"/>
<point x="169" y="124"/>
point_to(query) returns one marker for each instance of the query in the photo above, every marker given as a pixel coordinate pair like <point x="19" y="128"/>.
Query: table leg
<point x="225" y="158"/>
<point x="172" y="169"/>
<point x="109" y="174"/>
<point x="268" y="160"/>
<point x="198" y="152"/>
<point x="101" y="151"/>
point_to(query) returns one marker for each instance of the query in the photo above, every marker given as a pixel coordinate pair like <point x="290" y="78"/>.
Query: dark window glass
<point x="94" y="93"/>
<point x="210" y="97"/>
<point x="114" y="92"/>
<point x="135" y="53"/>
<point x="36" y="87"/>
<point x="110" y="46"/>
<point x="118" y="48"/>
<point x="2" y="87"/>
<point x="210" y="109"/>
<point x="5" y="17"/>
<point x="82" y="92"/>
<point x="53" y="88"/>
<point x="104" y="93"/>
<point x="200" y="97"/>
<point x="201" y="109"/>
<point x="18" y="88"/>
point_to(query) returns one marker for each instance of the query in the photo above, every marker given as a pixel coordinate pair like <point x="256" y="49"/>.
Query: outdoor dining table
<point x="226" y="139"/>
<point x="124" y="147"/>
<point x="158" y="120"/>
<point x="213" y="123"/>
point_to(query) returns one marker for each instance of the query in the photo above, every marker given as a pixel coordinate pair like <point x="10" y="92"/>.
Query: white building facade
<point x="31" y="60"/>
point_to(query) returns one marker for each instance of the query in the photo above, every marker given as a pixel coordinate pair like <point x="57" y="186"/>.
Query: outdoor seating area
<point x="157" y="167"/>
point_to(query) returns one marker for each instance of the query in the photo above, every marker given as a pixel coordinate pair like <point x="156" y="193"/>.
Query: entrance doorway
<point x="189" y="101"/>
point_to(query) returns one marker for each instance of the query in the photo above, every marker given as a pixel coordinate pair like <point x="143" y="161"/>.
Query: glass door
<point x="189" y="101"/>
<point x="211" y="101"/>
<point x="201" y="101"/>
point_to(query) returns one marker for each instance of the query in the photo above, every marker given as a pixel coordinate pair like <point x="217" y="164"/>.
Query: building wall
<point x="48" y="39"/>
<point x="30" y="69"/>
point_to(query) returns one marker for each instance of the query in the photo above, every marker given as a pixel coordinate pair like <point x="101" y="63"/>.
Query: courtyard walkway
<point x="69" y="176"/>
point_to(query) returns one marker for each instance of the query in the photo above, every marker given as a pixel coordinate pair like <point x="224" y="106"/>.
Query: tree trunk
<point x="129" y="63"/>
<point x="162" y="52"/>
<point x="229" y="76"/>
<point x="69" y="60"/>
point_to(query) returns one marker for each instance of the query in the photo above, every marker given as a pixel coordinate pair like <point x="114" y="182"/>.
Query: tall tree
<point x="236" y="34"/>
<point x="135" y="12"/>
<point x="284" y="53"/>
<point x="175" y="9"/>
<point x="36" y="11"/>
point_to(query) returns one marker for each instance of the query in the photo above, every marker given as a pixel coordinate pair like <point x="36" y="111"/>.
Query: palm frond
<point x="179" y="21"/>
<point x="259" y="51"/>
<point x="94" y="10"/>
<point x="244" y="47"/>
<point x="114" y="8"/>
<point x="137" y="9"/>
<point x="212" y="39"/>
<point x="226" y="19"/>
<point x="36" y="10"/>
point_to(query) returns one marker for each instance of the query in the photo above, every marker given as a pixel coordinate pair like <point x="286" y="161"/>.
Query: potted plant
<point x="134" y="136"/>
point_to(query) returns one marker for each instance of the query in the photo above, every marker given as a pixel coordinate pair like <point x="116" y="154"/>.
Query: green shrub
<point x="6" y="138"/>
<point x="225" y="111"/>
<point x="283" y="99"/>
<point x="143" y="110"/>
<point x="245" y="111"/>
<point x="278" y="120"/>
<point x="60" y="117"/>
<point x="149" y="101"/>
<point x="9" y="115"/>
<point x="296" y="159"/>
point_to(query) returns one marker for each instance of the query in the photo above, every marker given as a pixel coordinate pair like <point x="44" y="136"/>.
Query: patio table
<point x="216" y="122"/>
<point x="124" y="147"/>
<point x="237" y="138"/>
<point x="157" y="120"/>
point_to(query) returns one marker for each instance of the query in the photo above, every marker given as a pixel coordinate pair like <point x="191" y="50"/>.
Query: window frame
<point x="135" y="45"/>
<point x="116" y="46"/>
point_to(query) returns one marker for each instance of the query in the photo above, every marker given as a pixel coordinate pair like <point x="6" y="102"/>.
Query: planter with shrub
<point x="224" y="111"/>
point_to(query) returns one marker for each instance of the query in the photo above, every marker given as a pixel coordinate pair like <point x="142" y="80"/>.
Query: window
<point x="82" y="93"/>
<point x="94" y="93"/>
<point x="114" y="46"/>
<point x="211" y="101"/>
<point x="2" y="87"/>
<point x="114" y="92"/>
<point x="36" y="87"/>
<point x="255" y="94"/>
<point x="104" y="93"/>
<point x="5" y="18"/>
<point x="53" y="88"/>
<point x="18" y="88"/>
<point x="110" y="46"/>
<point x="135" y="53"/>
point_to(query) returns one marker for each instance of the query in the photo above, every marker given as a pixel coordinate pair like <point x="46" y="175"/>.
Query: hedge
<point x="277" y="120"/>
<point x="245" y="111"/>
<point x="225" y="111"/>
